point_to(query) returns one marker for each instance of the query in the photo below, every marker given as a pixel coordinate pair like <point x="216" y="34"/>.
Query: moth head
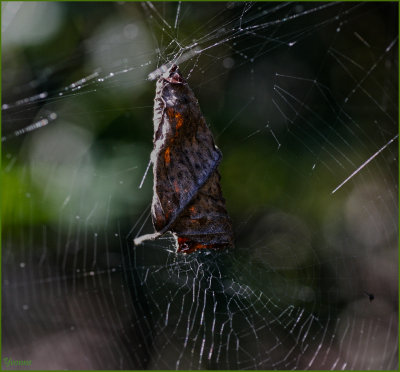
<point x="169" y="73"/>
<point x="173" y="75"/>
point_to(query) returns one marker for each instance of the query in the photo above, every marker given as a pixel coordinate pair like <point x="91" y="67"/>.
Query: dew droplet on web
<point x="228" y="62"/>
<point x="131" y="31"/>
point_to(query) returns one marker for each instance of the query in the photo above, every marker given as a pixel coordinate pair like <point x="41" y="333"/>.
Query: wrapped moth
<point x="187" y="196"/>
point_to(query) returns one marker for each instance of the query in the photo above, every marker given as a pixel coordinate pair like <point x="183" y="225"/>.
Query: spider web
<point x="302" y="99"/>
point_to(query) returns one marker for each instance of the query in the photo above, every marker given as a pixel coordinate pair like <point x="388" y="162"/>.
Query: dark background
<point x="298" y="96"/>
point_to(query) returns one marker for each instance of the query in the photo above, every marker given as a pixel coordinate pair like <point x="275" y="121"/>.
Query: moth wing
<point x="184" y="158"/>
<point x="205" y="222"/>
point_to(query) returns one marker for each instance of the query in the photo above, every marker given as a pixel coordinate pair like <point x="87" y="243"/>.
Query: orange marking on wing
<point x="167" y="156"/>
<point x="176" y="116"/>
<point x="185" y="245"/>
<point x="179" y="120"/>
<point x="192" y="209"/>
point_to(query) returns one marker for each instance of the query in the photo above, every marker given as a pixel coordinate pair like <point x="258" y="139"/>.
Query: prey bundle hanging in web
<point x="187" y="197"/>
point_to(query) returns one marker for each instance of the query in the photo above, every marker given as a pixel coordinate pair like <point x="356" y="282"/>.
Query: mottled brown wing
<point x="184" y="155"/>
<point x="204" y="223"/>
